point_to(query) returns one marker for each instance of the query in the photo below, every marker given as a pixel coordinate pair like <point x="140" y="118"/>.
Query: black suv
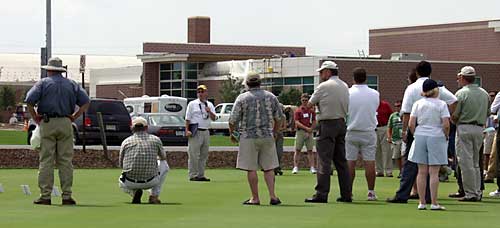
<point x="115" y="117"/>
<point x="116" y="121"/>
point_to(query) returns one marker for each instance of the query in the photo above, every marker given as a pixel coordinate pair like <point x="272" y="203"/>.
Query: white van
<point x="163" y="104"/>
<point x="222" y="113"/>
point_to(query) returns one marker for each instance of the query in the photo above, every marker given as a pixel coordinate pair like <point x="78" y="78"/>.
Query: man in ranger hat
<point x="56" y="97"/>
<point x="199" y="114"/>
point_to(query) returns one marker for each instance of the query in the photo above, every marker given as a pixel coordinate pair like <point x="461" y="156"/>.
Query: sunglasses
<point x="201" y="91"/>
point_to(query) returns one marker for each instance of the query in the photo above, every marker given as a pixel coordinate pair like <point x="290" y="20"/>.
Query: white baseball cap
<point x="467" y="71"/>
<point x="136" y="121"/>
<point x="328" y="65"/>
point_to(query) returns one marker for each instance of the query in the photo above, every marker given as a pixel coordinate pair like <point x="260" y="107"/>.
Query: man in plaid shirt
<point x="141" y="169"/>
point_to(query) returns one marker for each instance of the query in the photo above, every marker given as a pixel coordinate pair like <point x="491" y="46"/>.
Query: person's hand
<point x="389" y="140"/>
<point x="38" y="118"/>
<point x="233" y="139"/>
<point x="309" y="130"/>
<point x="188" y="133"/>
<point x="404" y="137"/>
<point x="72" y="117"/>
<point x="207" y="109"/>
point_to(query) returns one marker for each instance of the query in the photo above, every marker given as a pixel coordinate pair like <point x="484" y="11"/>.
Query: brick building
<point x="174" y="68"/>
<point x="177" y="68"/>
<point x="470" y="41"/>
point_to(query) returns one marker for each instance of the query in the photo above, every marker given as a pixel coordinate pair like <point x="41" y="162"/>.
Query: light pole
<point x="48" y="44"/>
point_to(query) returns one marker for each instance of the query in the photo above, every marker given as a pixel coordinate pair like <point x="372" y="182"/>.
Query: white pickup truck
<point x="221" y="124"/>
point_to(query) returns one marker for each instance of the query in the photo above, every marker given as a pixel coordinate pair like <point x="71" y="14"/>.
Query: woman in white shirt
<point x="429" y="123"/>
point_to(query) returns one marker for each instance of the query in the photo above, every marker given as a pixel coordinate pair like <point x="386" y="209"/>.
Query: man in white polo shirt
<point x="199" y="114"/>
<point x="361" y="137"/>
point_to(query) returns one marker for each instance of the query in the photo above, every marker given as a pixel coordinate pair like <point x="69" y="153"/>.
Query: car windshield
<point x="162" y="120"/>
<point x="107" y="108"/>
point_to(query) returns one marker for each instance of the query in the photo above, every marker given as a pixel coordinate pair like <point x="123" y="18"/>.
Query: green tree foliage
<point x="230" y="89"/>
<point x="290" y="97"/>
<point x="7" y="97"/>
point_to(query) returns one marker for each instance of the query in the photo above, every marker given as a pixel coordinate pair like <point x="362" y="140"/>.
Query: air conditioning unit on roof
<point x="407" y="56"/>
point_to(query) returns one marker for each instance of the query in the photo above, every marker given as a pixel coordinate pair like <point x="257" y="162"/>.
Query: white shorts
<point x="360" y="142"/>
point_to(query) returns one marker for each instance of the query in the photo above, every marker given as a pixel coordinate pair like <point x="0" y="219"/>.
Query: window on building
<point x="293" y="81"/>
<point x="308" y="80"/>
<point x="372" y="81"/>
<point x="477" y="81"/>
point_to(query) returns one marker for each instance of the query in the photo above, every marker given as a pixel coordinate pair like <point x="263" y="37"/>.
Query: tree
<point x="290" y="97"/>
<point x="7" y="97"/>
<point x="230" y="89"/>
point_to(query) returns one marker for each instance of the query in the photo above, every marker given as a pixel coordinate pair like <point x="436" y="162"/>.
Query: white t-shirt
<point x="363" y="104"/>
<point x="413" y="91"/>
<point x="430" y="113"/>
<point x="495" y="106"/>
<point x="196" y="113"/>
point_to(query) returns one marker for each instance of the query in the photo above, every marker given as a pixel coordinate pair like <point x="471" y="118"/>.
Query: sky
<point x="324" y="27"/>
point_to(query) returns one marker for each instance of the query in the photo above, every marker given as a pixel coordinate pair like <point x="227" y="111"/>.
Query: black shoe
<point x="471" y="199"/>
<point x="137" y="196"/>
<point x="488" y="181"/>
<point x="395" y="200"/>
<point x="315" y="199"/>
<point x="41" y="201"/>
<point x="204" y="179"/>
<point x="457" y="195"/>
<point x="344" y="200"/>
<point x="249" y="202"/>
<point x="275" y="201"/>
<point x="413" y="196"/>
<point x="69" y="201"/>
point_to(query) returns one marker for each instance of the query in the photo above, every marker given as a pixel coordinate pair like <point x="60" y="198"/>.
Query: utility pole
<point x="49" y="30"/>
<point x="46" y="52"/>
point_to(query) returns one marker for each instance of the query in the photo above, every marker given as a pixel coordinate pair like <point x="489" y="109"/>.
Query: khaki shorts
<point x="396" y="149"/>
<point x="300" y="140"/>
<point x="257" y="154"/>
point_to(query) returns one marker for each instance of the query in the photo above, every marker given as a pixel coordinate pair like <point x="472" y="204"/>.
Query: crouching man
<point x="141" y="168"/>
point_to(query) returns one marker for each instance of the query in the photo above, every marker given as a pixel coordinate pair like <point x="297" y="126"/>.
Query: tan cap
<point x="203" y="87"/>
<point x="328" y="65"/>
<point x="139" y="121"/>
<point x="467" y="71"/>
<point x="253" y="76"/>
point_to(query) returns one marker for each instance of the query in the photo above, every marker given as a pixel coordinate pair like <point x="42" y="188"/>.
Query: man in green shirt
<point x="470" y="117"/>
<point x="394" y="132"/>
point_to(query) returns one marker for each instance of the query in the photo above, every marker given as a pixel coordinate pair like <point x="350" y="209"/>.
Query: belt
<point x="332" y="120"/>
<point x="201" y="129"/>
<point x="472" y="123"/>
<point x="138" y="181"/>
<point x="53" y="115"/>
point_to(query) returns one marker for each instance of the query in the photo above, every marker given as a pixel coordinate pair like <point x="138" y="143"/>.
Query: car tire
<point x="76" y="139"/>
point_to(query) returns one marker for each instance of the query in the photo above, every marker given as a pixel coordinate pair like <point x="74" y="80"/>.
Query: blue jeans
<point x="409" y="175"/>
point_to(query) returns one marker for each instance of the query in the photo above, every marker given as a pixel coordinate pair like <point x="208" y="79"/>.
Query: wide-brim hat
<point x="54" y="64"/>
<point x="139" y="121"/>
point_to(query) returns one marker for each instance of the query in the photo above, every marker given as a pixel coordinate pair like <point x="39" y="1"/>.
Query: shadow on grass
<point x="85" y="205"/>
<point x="161" y="204"/>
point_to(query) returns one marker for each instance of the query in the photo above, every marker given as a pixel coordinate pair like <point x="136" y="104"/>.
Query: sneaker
<point x="372" y="196"/>
<point x="295" y="170"/>
<point x="437" y="207"/>
<point x="313" y="170"/>
<point x="389" y="175"/>
<point x="379" y="174"/>
<point x="496" y="193"/>
<point x="154" y="200"/>
<point x="422" y="206"/>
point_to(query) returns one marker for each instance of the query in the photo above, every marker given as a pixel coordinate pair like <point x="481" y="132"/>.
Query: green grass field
<point x="10" y="137"/>
<point x="218" y="204"/>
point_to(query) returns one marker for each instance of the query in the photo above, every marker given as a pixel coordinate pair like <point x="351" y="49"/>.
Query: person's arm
<point x="34" y="114"/>
<point x="457" y="109"/>
<point x="446" y="127"/>
<point x="121" y="155"/>
<point x="80" y="111"/>
<point x="495" y="105"/>
<point x="187" y="122"/>
<point x="210" y="109"/>
<point x="406" y="120"/>
<point x="231" y="130"/>
<point x="162" y="155"/>
<point x="234" y="119"/>
<point x="412" y="124"/>
<point x="389" y="129"/>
